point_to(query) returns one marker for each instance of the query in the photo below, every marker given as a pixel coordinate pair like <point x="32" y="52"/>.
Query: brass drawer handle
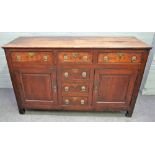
<point x="82" y="102"/>
<point x="31" y="54"/>
<point x="65" y="57"/>
<point x="66" y="74"/>
<point x="66" y="101"/>
<point x="120" y="55"/>
<point x="133" y="59"/>
<point x="18" y="58"/>
<point x="45" y="57"/>
<point x="75" y="55"/>
<point x="66" y="88"/>
<point x="105" y="59"/>
<point x="83" y="88"/>
<point x="85" y="58"/>
<point x="84" y="74"/>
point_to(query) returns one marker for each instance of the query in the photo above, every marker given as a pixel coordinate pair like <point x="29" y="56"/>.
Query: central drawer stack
<point x="75" y="86"/>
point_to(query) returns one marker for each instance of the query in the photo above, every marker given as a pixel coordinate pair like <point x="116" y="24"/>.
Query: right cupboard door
<point x="113" y="88"/>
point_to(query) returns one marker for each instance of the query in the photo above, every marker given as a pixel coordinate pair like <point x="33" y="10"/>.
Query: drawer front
<point x="75" y="101"/>
<point x="119" y="58"/>
<point x="75" y="57"/>
<point x="75" y="74"/>
<point x="32" y="58"/>
<point x="71" y="88"/>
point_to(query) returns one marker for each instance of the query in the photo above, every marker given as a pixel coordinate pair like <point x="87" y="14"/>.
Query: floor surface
<point x="144" y="112"/>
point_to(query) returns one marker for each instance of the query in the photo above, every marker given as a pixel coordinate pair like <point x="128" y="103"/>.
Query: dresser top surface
<point x="77" y="42"/>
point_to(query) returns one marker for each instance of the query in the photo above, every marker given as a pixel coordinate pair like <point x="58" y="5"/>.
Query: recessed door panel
<point x="38" y="88"/>
<point x="114" y="86"/>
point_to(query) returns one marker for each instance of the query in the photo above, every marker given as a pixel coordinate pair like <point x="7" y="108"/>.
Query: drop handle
<point x="133" y="59"/>
<point x="120" y="55"/>
<point x="75" y="55"/>
<point x="45" y="57"/>
<point x="66" y="74"/>
<point x="65" y="57"/>
<point x="66" y="101"/>
<point x="18" y="58"/>
<point x="84" y="74"/>
<point x="105" y="58"/>
<point x="82" y="102"/>
<point x="66" y="89"/>
<point x="85" y="58"/>
<point x="83" y="88"/>
<point x="31" y="54"/>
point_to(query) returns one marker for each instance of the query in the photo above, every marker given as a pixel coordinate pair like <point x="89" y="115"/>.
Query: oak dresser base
<point x="76" y="73"/>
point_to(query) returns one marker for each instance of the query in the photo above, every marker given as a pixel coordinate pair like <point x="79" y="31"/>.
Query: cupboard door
<point x="113" y="87"/>
<point x="38" y="88"/>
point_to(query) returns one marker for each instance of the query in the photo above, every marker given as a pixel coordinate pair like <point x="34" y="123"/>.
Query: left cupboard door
<point x="38" y="89"/>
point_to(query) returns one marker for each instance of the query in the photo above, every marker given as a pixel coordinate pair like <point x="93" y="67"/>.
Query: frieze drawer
<point x="75" y="57"/>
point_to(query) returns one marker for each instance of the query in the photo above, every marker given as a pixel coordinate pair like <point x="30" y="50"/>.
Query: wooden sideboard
<point x="77" y="73"/>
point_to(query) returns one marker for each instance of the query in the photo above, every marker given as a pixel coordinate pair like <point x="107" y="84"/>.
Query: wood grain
<point x="77" y="42"/>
